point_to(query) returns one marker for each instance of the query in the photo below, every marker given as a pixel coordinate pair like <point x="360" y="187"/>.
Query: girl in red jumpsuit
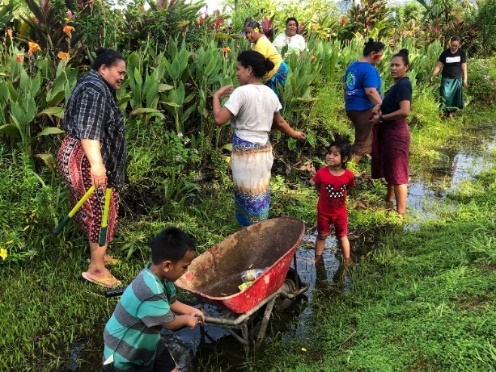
<point x="333" y="182"/>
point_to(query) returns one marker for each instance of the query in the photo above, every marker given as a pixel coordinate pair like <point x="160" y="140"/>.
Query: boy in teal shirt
<point x="132" y="335"/>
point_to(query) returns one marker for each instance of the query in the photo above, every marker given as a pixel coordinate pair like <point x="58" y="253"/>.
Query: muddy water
<point x="215" y="349"/>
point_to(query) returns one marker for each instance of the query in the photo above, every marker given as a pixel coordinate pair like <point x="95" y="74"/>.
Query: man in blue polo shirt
<point x="132" y="335"/>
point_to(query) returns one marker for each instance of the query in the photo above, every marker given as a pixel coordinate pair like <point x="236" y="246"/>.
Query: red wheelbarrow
<point x="214" y="277"/>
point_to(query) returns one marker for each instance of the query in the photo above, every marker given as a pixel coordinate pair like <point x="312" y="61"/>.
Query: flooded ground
<point x="216" y="349"/>
<point x="427" y="189"/>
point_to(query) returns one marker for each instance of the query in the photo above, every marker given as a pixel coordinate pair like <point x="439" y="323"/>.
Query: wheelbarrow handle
<point x="73" y="211"/>
<point x="103" y="228"/>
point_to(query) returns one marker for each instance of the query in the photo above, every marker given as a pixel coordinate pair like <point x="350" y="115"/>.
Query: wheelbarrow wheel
<point x="292" y="284"/>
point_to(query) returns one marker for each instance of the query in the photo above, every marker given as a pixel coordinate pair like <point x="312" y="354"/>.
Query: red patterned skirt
<point x="75" y="168"/>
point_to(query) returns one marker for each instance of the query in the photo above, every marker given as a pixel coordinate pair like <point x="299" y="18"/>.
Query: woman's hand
<point x="98" y="172"/>
<point x="376" y="110"/>
<point x="98" y="175"/>
<point x="225" y="91"/>
<point x="300" y="136"/>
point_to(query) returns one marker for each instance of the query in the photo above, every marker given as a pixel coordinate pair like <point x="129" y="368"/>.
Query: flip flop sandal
<point x="102" y="281"/>
<point x="112" y="262"/>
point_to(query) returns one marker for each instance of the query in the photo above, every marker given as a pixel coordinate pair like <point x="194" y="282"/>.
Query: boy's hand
<point x="191" y="321"/>
<point x="199" y="316"/>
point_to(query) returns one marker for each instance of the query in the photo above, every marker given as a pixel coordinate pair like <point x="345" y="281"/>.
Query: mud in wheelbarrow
<point x="214" y="276"/>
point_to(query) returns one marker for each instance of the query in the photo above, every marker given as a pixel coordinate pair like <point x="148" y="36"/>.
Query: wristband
<point x="381" y="119"/>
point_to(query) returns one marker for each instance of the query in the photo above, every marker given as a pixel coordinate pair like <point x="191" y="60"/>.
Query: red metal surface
<point x="214" y="276"/>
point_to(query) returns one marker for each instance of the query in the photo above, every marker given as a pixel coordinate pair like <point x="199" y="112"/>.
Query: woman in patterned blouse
<point x="93" y="153"/>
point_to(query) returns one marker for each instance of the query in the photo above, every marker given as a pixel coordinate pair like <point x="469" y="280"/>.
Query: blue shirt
<point x="358" y="77"/>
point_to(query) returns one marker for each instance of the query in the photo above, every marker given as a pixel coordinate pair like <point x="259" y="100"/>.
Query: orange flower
<point x="19" y="58"/>
<point x="68" y="30"/>
<point x="33" y="47"/>
<point x="225" y="51"/>
<point x="63" y="55"/>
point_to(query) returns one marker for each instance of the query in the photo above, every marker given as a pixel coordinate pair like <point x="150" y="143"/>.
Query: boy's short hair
<point x="171" y="244"/>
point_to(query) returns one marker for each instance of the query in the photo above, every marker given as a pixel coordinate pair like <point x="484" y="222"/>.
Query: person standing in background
<point x="453" y="63"/>
<point x="362" y="91"/>
<point x="290" y="41"/>
<point x="261" y="44"/>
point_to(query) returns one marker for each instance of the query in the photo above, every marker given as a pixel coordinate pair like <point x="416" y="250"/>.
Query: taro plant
<point x="145" y="86"/>
<point x="176" y="99"/>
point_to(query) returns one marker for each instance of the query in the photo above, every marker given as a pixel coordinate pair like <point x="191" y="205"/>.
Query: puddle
<point x="433" y="185"/>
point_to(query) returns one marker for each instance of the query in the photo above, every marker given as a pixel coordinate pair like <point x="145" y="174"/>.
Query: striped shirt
<point x="92" y="113"/>
<point x="132" y="334"/>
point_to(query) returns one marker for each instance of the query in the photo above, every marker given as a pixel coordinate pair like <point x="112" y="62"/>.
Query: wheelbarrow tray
<point x="215" y="275"/>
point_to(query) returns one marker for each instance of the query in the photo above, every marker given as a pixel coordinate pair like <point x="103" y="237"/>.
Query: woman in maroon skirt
<point x="93" y="154"/>
<point x="391" y="137"/>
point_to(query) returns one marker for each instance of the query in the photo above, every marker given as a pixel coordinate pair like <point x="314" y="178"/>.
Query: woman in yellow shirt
<point x="261" y="44"/>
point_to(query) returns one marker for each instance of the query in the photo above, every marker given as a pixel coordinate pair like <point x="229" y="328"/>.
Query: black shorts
<point x="164" y="362"/>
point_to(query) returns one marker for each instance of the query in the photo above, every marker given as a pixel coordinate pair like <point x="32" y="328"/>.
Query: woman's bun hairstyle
<point x="107" y="57"/>
<point x="258" y="63"/>
<point x="372" y="46"/>
<point x="370" y="41"/>
<point x="269" y="65"/>
<point x="403" y="53"/>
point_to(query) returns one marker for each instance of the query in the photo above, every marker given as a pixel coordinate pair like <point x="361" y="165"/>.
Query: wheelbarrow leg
<point x="265" y="322"/>
<point x="246" y="337"/>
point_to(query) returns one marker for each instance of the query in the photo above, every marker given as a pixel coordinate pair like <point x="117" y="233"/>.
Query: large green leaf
<point x="11" y="130"/>
<point x="53" y="111"/>
<point x="50" y="131"/>
<point x="150" y="111"/>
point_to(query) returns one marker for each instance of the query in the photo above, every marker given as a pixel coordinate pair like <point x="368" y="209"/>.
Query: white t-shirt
<point x="295" y="44"/>
<point x="253" y="107"/>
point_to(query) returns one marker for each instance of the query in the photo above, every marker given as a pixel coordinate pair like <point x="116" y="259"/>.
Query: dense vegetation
<point x="436" y="298"/>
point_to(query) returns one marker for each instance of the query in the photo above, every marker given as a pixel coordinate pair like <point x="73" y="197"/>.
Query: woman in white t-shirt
<point x="253" y="110"/>
<point x="290" y="41"/>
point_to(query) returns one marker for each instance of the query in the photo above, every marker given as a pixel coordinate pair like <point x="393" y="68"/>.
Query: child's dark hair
<point x="107" y="57"/>
<point x="342" y="143"/>
<point x="171" y="244"/>
<point x="256" y="61"/>
<point x="372" y="46"/>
